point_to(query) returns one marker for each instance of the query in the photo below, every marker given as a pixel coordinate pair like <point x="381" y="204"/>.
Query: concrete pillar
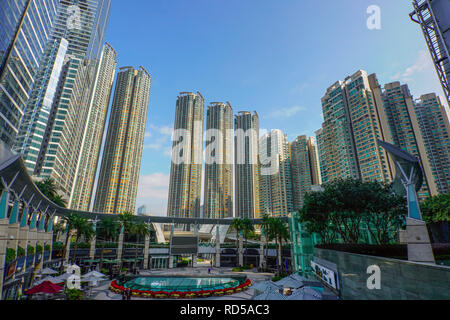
<point x="170" y="247"/>
<point x="195" y="256"/>
<point x="93" y="242"/>
<point x="217" y="247"/>
<point x="41" y="236"/>
<point x="419" y="246"/>
<point x="3" y="239"/>
<point x="66" y="256"/>
<point x="262" y="263"/>
<point x="146" y="251"/>
<point x="120" y="246"/>
<point x="241" y="254"/>
<point x="13" y="230"/>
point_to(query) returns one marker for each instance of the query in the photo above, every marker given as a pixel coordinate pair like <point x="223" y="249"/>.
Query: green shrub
<point x="30" y="250"/>
<point x="104" y="271"/>
<point x="47" y="247"/>
<point x="74" y="294"/>
<point x="124" y="269"/>
<point x="58" y="246"/>
<point x="237" y="269"/>
<point x="10" y="254"/>
<point x="246" y="267"/>
<point x="21" y="252"/>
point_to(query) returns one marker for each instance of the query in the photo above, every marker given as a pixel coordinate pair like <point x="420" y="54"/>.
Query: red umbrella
<point x="45" y="287"/>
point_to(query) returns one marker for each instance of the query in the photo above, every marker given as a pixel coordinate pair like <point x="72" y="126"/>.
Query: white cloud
<point x="153" y="191"/>
<point x="422" y="63"/>
<point x="286" y="112"/>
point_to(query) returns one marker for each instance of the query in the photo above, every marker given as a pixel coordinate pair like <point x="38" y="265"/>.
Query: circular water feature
<point x="182" y="286"/>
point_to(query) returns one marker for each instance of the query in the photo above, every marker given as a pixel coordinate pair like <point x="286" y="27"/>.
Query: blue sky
<point x="275" y="57"/>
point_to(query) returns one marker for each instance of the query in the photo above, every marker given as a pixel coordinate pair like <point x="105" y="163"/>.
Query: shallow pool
<point x="182" y="283"/>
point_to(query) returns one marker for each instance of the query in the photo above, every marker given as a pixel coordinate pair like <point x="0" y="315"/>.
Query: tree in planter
<point x="347" y="204"/>
<point x="139" y="230"/>
<point x="436" y="213"/>
<point x="107" y="230"/>
<point x="237" y="226"/>
<point x="385" y="212"/>
<point x="315" y="216"/>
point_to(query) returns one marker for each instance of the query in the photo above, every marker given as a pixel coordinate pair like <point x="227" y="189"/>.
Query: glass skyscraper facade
<point x="122" y="155"/>
<point x="94" y="129"/>
<point x="186" y="172"/>
<point x="247" y="175"/>
<point x="26" y="27"/>
<point x="218" y="199"/>
<point x="435" y="126"/>
<point x="82" y="24"/>
<point x="275" y="180"/>
<point x="304" y="168"/>
<point x="352" y="125"/>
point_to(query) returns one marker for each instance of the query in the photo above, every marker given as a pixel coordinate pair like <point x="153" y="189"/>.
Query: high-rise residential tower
<point x="275" y="180"/>
<point x="218" y="199"/>
<point x="122" y="155"/>
<point x="434" y="19"/>
<point x="403" y="129"/>
<point x="352" y="125"/>
<point x="187" y="153"/>
<point x="82" y="24"/>
<point x="304" y="168"/>
<point x="435" y="128"/>
<point x="95" y="127"/>
<point x="247" y="176"/>
<point x="25" y="27"/>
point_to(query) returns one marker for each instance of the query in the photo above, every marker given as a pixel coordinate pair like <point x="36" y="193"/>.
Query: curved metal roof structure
<point x="14" y="176"/>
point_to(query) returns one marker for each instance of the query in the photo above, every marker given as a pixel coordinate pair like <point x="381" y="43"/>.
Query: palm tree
<point x="107" y="230"/>
<point x="266" y="225"/>
<point x="139" y="230"/>
<point x="237" y="225"/>
<point x="126" y="220"/>
<point x="281" y="233"/>
<point x="69" y="222"/>
<point x="247" y="227"/>
<point x="83" y="228"/>
<point x="49" y="189"/>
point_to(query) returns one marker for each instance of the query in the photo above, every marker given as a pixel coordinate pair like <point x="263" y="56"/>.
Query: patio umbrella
<point x="48" y="271"/>
<point x="264" y="286"/>
<point x="49" y="278"/>
<point x="305" y="293"/>
<point x="95" y="274"/>
<point x="270" y="295"/>
<point x="289" y="282"/>
<point x="44" y="287"/>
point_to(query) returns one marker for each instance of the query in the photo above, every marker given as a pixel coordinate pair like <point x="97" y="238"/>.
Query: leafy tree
<point x="436" y="209"/>
<point x="436" y="213"/>
<point x="347" y="204"/>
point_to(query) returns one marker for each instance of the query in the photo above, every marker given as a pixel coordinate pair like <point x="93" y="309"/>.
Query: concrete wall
<point x="400" y="280"/>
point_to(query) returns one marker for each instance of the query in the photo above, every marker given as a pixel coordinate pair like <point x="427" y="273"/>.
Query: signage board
<point x="326" y="275"/>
